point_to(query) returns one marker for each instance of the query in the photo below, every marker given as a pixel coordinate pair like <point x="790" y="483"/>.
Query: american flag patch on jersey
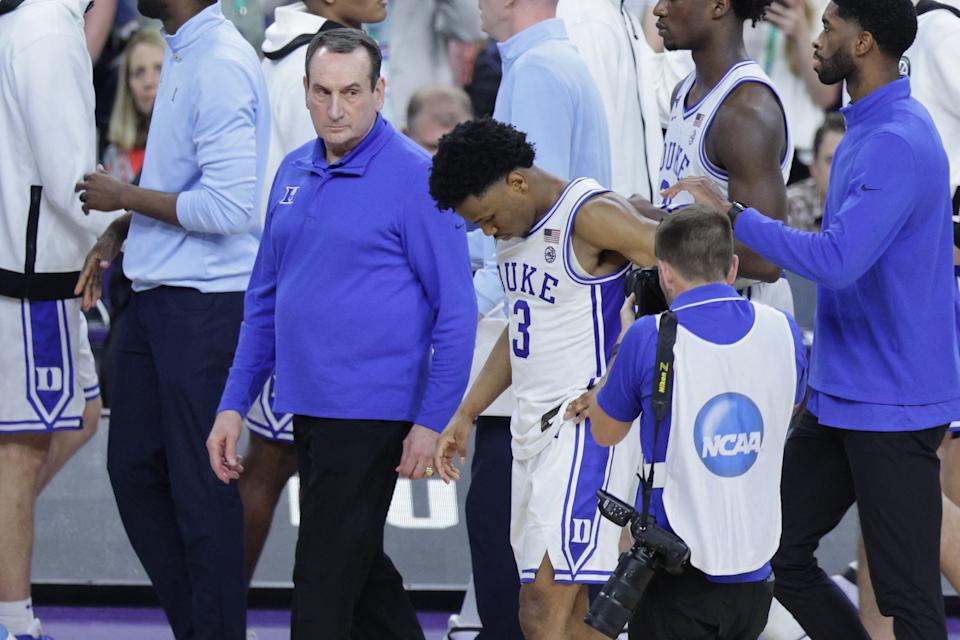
<point x="552" y="235"/>
<point x="698" y="120"/>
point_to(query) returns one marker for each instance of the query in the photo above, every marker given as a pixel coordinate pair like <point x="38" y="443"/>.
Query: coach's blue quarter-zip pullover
<point x="885" y="354"/>
<point x="209" y="139"/>
<point x="361" y="291"/>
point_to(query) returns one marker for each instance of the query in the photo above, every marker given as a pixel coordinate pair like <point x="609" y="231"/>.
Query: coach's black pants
<point x="894" y="477"/>
<point x="495" y="575"/>
<point x="690" y="607"/>
<point x="344" y="585"/>
<point x="173" y="352"/>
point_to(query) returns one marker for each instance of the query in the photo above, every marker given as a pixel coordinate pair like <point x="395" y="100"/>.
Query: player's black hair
<point x="752" y="10"/>
<point x="893" y="23"/>
<point x="473" y="156"/>
<point x="697" y="242"/>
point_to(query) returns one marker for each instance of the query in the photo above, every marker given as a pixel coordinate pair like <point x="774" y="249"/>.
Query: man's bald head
<point x="435" y="110"/>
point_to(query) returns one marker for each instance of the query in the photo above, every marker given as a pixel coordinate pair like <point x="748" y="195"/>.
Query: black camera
<point x="653" y="549"/>
<point x="645" y="285"/>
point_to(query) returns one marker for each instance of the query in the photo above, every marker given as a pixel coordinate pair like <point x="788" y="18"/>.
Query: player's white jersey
<point x="563" y="322"/>
<point x="684" y="149"/>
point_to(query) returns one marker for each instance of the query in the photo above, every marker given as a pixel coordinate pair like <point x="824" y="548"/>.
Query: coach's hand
<point x="222" y="446"/>
<point x="704" y="192"/>
<point x="100" y="191"/>
<point x="418" y="449"/>
<point x="452" y="441"/>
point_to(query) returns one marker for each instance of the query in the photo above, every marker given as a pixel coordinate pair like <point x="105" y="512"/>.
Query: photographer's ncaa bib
<point x="731" y="409"/>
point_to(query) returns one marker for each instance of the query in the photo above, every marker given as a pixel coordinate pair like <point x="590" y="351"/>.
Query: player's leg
<point x="22" y="456"/>
<point x="547" y="607"/>
<point x="65" y="444"/>
<point x="816" y="490"/>
<point x="39" y="393"/>
<point x="950" y="533"/>
<point x="268" y="466"/>
<point x="899" y="503"/>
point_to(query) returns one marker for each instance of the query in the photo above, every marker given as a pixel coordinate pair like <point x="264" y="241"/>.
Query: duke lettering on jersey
<point x="563" y="321"/>
<point x="533" y="281"/>
<point x="49" y="378"/>
<point x="684" y="145"/>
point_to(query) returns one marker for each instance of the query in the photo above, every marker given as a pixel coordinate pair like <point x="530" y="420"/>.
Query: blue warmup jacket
<point x="885" y="353"/>
<point x="361" y="293"/>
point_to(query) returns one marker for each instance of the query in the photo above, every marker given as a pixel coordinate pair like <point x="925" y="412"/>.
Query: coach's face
<point x="342" y="103"/>
<point x="833" y="50"/>
<point x="504" y="210"/>
<point x="683" y="23"/>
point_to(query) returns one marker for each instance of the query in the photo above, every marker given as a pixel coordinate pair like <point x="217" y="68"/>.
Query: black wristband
<point x="734" y="212"/>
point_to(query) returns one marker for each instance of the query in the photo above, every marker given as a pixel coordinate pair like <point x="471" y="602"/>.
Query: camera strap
<point x="662" y="395"/>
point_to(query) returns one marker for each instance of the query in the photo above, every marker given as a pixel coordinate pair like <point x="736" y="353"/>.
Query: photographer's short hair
<point x="346" y="40"/>
<point x="893" y="23"/>
<point x="697" y="242"/>
<point x="473" y="156"/>
<point x="832" y="123"/>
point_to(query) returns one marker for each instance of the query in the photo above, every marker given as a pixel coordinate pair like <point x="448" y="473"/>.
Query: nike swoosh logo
<point x="864" y="187"/>
<point x="458" y="226"/>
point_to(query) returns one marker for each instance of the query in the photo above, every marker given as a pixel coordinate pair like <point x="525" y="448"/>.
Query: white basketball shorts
<point x="554" y="505"/>
<point x="261" y="420"/>
<point x="46" y="367"/>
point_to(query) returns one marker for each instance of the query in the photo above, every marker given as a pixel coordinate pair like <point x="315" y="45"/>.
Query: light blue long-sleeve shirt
<point x="885" y="357"/>
<point x="209" y="138"/>
<point x="548" y="93"/>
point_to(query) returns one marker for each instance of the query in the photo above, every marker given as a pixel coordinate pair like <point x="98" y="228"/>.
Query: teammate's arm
<point x="748" y="139"/>
<point x="493" y="380"/>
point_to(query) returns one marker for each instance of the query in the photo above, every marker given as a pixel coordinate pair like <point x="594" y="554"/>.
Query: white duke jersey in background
<point x="563" y="322"/>
<point x="684" y="145"/>
<point x="685" y="156"/>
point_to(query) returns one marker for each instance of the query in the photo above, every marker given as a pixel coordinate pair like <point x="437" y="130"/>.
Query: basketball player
<point x="726" y="123"/>
<point x="44" y="149"/>
<point x="563" y="249"/>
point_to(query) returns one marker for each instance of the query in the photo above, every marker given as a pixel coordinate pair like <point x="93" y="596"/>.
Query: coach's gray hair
<point x="345" y="41"/>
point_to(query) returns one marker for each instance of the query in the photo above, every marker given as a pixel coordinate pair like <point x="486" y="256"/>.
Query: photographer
<point x="739" y="370"/>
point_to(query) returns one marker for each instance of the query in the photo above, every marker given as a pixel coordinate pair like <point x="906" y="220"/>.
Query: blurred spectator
<point x="106" y="67"/>
<point x="806" y="199"/>
<point x="419" y="34"/>
<point x="138" y="79"/>
<point x="139" y="76"/>
<point x="485" y="80"/>
<point x="247" y="17"/>
<point x="270" y="459"/>
<point x="783" y="45"/>
<point x="97" y="24"/>
<point x="433" y="112"/>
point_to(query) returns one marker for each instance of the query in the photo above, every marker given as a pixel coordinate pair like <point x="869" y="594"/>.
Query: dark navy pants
<point x="495" y="575"/>
<point x="173" y="353"/>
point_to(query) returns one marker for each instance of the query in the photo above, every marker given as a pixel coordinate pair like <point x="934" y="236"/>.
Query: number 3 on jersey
<point x="522" y="312"/>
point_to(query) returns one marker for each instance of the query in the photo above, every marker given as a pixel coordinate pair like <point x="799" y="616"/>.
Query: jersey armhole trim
<point x="716" y="171"/>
